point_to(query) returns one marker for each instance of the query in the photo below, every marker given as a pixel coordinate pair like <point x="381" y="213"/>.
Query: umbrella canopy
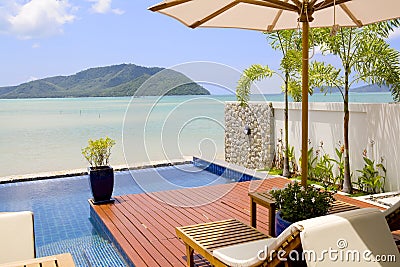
<point x="271" y="15"/>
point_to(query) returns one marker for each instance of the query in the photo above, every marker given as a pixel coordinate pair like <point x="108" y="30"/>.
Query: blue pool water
<point x="61" y="208"/>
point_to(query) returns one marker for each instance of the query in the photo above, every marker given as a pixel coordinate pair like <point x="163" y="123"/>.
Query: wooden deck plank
<point x="212" y="211"/>
<point x="144" y="217"/>
<point x="124" y="243"/>
<point x="140" y="244"/>
<point x="169" y="215"/>
<point x="156" y="230"/>
<point x="144" y="224"/>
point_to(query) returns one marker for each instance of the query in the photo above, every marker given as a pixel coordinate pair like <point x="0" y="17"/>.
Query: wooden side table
<point x="264" y="199"/>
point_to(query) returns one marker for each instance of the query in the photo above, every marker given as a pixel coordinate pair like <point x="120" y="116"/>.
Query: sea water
<point x="43" y="135"/>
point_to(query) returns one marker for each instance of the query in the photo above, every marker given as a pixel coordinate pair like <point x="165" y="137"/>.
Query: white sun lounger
<point x="17" y="240"/>
<point x="353" y="238"/>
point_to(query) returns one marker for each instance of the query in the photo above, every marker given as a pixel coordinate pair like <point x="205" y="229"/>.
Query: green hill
<point x="370" y="88"/>
<point x="117" y="80"/>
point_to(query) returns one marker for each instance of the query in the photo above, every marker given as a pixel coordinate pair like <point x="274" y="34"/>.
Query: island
<point x="109" y="81"/>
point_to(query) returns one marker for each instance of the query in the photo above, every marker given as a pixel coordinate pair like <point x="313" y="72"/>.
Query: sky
<point x="43" y="38"/>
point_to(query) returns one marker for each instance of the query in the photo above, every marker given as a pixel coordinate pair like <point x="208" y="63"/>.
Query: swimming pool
<point x="62" y="212"/>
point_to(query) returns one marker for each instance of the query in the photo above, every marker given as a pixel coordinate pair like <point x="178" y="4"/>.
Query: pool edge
<point x="99" y="225"/>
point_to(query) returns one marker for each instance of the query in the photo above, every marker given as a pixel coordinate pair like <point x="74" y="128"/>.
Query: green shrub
<point x="371" y="179"/>
<point x="297" y="203"/>
<point x="323" y="170"/>
<point x="98" y="152"/>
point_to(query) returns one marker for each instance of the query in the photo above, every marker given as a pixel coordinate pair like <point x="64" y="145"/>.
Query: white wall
<point x="377" y="122"/>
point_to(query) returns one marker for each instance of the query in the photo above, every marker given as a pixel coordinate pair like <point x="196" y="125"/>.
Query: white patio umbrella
<point x="271" y="15"/>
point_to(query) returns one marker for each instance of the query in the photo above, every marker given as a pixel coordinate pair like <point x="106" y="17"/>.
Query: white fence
<point x="377" y="124"/>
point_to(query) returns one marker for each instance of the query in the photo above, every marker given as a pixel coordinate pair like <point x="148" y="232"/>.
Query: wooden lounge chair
<point x="61" y="260"/>
<point x="216" y="241"/>
<point x="233" y="243"/>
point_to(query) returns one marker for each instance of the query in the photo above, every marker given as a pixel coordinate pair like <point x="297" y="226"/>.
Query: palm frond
<point x="254" y="73"/>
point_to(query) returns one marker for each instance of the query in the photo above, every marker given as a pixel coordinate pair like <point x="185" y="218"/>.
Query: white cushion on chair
<point x="243" y="255"/>
<point x="356" y="231"/>
<point x="247" y="254"/>
<point x="17" y="241"/>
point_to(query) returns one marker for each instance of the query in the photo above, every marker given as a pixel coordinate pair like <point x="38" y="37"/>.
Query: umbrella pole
<point x="304" y="106"/>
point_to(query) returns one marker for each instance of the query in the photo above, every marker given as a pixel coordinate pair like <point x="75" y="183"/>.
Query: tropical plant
<point x="311" y="162"/>
<point x="279" y="156"/>
<point x="255" y="72"/>
<point x="340" y="165"/>
<point x="278" y="160"/>
<point x="288" y="42"/>
<point x="98" y="152"/>
<point x="297" y="203"/>
<point x="292" y="159"/>
<point x="371" y="178"/>
<point x="320" y="166"/>
<point x="324" y="170"/>
<point x="365" y="57"/>
<point x="324" y="167"/>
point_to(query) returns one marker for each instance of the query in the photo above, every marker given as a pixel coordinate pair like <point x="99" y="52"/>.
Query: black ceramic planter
<point x="101" y="181"/>
<point x="280" y="224"/>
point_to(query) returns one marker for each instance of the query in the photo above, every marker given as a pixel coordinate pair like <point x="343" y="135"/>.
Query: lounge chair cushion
<point x="357" y="231"/>
<point x="16" y="236"/>
<point x="243" y="255"/>
<point x="252" y="253"/>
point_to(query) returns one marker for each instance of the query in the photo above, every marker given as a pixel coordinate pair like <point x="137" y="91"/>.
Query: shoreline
<point x="80" y="172"/>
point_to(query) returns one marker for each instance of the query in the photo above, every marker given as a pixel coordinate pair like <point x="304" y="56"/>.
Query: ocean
<point x="46" y="135"/>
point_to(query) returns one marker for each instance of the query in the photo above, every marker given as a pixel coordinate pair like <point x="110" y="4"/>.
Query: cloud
<point x="104" y="7"/>
<point x="395" y="34"/>
<point x="317" y="50"/>
<point x="35" y="18"/>
<point x="36" y="45"/>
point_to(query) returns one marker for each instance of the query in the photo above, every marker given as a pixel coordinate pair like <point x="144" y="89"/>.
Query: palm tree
<point x="288" y="42"/>
<point x="365" y="57"/>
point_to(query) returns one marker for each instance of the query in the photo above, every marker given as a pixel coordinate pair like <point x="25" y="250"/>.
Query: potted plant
<point x="101" y="175"/>
<point x="296" y="203"/>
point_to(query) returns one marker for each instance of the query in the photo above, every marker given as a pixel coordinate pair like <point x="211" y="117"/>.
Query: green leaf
<point x="368" y="161"/>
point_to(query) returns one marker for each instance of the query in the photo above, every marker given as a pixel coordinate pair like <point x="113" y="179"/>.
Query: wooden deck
<point x="144" y="224"/>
